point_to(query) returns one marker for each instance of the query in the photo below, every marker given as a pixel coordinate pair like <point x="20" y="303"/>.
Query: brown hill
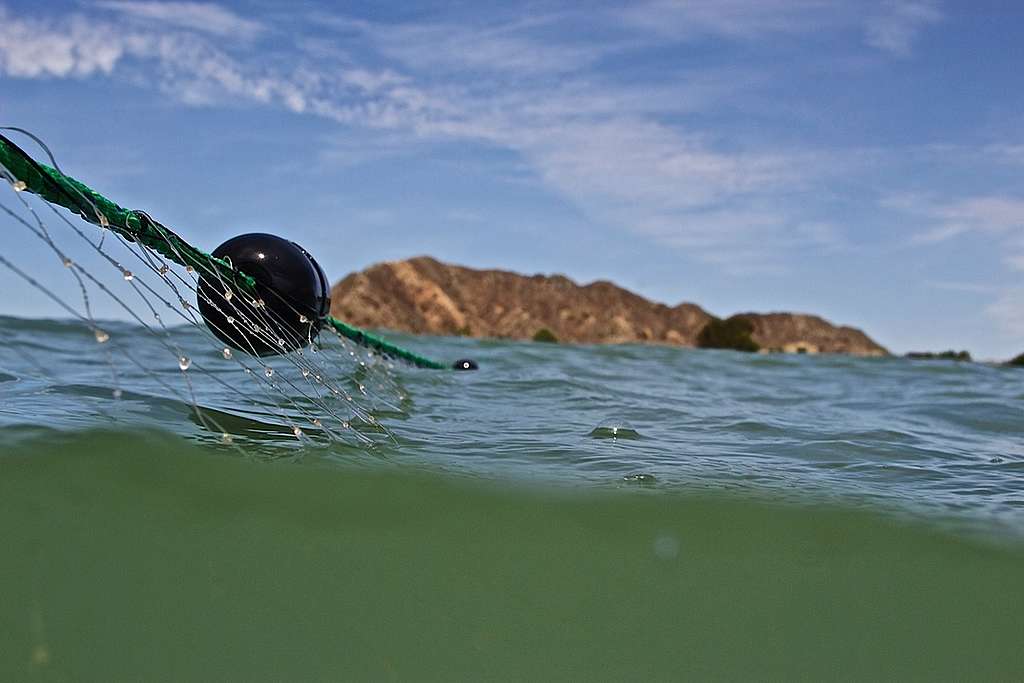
<point x="801" y="333"/>
<point x="424" y="296"/>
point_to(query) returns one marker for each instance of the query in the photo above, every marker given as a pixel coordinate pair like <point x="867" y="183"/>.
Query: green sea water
<point x="581" y="513"/>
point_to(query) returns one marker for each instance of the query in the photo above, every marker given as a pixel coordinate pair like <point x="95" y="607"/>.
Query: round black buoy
<point x="464" y="364"/>
<point x="292" y="296"/>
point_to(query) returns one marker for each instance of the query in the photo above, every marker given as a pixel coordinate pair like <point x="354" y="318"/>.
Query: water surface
<point x="565" y="512"/>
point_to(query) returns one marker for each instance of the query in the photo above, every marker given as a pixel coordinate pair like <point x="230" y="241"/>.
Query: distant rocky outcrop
<point x="940" y="355"/>
<point x="1019" y="360"/>
<point x="803" y="333"/>
<point x="424" y="296"/>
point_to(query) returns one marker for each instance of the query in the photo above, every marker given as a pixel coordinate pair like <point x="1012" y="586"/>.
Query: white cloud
<point x="198" y="16"/>
<point x="898" y="26"/>
<point x="32" y="49"/>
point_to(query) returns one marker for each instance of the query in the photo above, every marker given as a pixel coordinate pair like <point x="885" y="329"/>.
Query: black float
<point x="292" y="287"/>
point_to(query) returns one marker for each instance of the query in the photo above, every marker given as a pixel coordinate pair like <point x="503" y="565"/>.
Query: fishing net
<point x="333" y="386"/>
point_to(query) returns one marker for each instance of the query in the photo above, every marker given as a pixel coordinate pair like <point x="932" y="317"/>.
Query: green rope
<point x="137" y="226"/>
<point x="364" y="338"/>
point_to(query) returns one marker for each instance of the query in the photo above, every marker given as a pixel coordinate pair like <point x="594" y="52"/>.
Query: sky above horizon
<point x="858" y="160"/>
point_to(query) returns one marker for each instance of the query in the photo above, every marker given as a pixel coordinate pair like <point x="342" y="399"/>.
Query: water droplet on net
<point x="163" y="269"/>
<point x="184" y="363"/>
<point x="227" y="295"/>
<point x="303" y="319"/>
<point x="297" y="432"/>
<point x="67" y="262"/>
<point x="269" y="371"/>
<point x="19" y="186"/>
<point x="305" y="372"/>
<point x="189" y="269"/>
<point x="231" y="320"/>
<point x="101" y="336"/>
<point x="280" y="342"/>
<point x="226" y="353"/>
<point x="128" y="276"/>
<point x="226" y="439"/>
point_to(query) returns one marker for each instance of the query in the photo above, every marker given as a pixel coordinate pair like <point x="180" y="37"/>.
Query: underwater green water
<point x="134" y="558"/>
<point x="577" y="513"/>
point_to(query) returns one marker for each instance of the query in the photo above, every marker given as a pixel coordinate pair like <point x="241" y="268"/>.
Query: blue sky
<point x="859" y="160"/>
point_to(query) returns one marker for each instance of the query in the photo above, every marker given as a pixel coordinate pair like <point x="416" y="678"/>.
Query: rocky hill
<point x="423" y="295"/>
<point x="801" y="333"/>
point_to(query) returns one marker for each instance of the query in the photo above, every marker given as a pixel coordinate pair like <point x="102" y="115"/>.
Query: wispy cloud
<point x="899" y="24"/>
<point x="1006" y="153"/>
<point x="994" y="215"/>
<point x="1008" y="311"/>
<point x="997" y="219"/>
<point x="508" y="47"/>
<point x="615" y="148"/>
<point x="198" y="16"/>
<point x="735" y="19"/>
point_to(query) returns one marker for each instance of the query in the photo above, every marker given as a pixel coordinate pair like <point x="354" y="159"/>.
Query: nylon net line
<point x="333" y="389"/>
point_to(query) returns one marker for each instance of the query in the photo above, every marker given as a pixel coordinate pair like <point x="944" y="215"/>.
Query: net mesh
<point x="331" y="389"/>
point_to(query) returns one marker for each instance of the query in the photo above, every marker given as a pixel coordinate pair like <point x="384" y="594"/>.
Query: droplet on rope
<point x="303" y="319"/>
<point x="297" y="432"/>
<point x="227" y="295"/>
<point x="305" y="372"/>
<point x="280" y="342"/>
<point x="163" y="269"/>
<point x="231" y="320"/>
<point x="129" y="276"/>
<point x="184" y="363"/>
<point x="269" y="371"/>
<point x="104" y="223"/>
<point x="226" y="353"/>
<point x="189" y="269"/>
<point x="101" y="336"/>
<point x="67" y="262"/>
<point x="19" y="186"/>
<point x="226" y="439"/>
